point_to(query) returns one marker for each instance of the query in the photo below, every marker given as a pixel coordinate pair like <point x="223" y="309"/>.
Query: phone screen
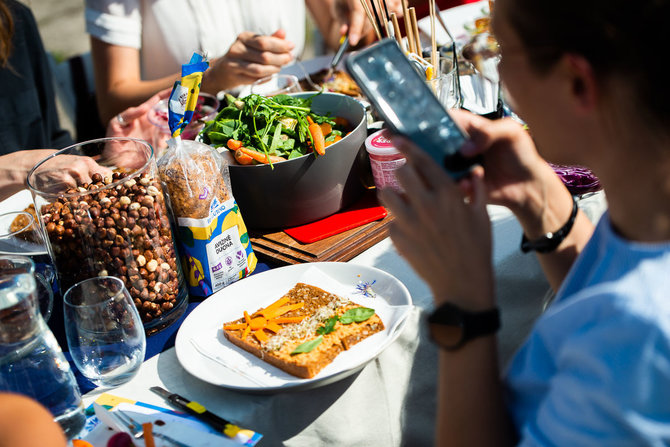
<point x="408" y="105"/>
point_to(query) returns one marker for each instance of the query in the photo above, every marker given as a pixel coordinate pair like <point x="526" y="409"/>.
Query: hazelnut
<point x="152" y="265"/>
<point x="141" y="260"/>
<point x="145" y="181"/>
<point x="124" y="200"/>
<point x="129" y="183"/>
<point x="103" y="273"/>
<point x="152" y="190"/>
<point x="96" y="178"/>
<point x="134" y="206"/>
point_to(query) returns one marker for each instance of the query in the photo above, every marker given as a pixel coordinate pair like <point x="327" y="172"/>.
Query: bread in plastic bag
<point x="213" y="241"/>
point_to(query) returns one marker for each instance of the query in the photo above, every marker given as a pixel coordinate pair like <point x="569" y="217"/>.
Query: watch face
<point x="447" y="336"/>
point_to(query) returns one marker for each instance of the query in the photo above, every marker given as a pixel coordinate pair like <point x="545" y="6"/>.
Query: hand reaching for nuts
<point x="69" y="171"/>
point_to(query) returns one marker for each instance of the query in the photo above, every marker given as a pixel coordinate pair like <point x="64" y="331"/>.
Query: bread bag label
<point x="215" y="250"/>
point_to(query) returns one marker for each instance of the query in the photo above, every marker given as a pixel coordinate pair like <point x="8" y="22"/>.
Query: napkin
<point x="166" y="422"/>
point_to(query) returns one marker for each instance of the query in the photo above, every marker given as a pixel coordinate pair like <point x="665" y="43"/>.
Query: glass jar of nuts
<point x="102" y="207"/>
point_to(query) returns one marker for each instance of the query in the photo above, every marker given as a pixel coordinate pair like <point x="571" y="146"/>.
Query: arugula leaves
<point x="355" y="315"/>
<point x="275" y="126"/>
<point x="307" y="346"/>
<point x="328" y="327"/>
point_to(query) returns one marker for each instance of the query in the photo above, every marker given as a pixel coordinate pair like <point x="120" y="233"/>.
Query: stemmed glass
<point x="104" y="331"/>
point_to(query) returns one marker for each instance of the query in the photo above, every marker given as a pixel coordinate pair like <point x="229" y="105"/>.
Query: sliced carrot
<point x="341" y="121"/>
<point x="261" y="157"/>
<point x="242" y="158"/>
<point x="247" y="318"/>
<point x="273" y="306"/>
<point x="257" y="323"/>
<point x="282" y="310"/>
<point x="274" y="327"/>
<point x="245" y="334"/>
<point x="261" y="335"/>
<point x="326" y="128"/>
<point x="147" y="429"/>
<point x="234" y="144"/>
<point x="318" y="138"/>
<point x="235" y="327"/>
<point x="335" y="140"/>
<point x="287" y="320"/>
<point x="310" y="120"/>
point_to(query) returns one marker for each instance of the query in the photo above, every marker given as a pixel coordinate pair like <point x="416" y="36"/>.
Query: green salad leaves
<point x="273" y="126"/>
<point x="355" y="315"/>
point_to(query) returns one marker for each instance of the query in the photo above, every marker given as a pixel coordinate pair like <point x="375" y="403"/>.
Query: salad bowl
<point x="307" y="188"/>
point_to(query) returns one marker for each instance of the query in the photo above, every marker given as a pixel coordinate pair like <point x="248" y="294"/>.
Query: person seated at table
<point x="27" y="99"/>
<point x="595" y="369"/>
<point x="25" y="422"/>
<point x="30" y="121"/>
<point x="138" y="46"/>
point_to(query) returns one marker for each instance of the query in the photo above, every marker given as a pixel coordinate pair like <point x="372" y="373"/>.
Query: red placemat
<point x="366" y="210"/>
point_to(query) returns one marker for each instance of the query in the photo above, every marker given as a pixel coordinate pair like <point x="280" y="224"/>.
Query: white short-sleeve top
<point x="167" y="32"/>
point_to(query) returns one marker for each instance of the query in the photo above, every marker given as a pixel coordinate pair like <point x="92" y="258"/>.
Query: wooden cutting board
<point x="280" y="248"/>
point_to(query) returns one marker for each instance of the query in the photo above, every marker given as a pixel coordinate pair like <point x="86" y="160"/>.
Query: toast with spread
<point x="304" y="330"/>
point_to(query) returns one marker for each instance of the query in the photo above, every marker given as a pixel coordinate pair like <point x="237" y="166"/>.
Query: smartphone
<point x="408" y="106"/>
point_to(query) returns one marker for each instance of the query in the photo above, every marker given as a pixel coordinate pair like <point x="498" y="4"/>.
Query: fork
<point x="137" y="430"/>
<point x="298" y="62"/>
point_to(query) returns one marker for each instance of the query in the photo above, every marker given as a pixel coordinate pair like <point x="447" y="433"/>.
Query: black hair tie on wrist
<point x="550" y="241"/>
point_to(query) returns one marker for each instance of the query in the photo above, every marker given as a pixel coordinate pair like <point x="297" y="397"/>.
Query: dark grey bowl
<point x="308" y="188"/>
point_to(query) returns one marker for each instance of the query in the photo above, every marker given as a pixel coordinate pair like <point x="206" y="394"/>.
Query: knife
<point x="199" y="411"/>
<point x="344" y="45"/>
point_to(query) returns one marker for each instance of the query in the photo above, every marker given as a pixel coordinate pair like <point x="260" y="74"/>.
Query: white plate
<point x="457" y="19"/>
<point x="16" y="202"/>
<point x="204" y="352"/>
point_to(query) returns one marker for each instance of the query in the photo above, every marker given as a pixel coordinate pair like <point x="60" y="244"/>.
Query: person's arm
<point x="14" y="169"/>
<point x="537" y="196"/>
<point x="119" y="85"/>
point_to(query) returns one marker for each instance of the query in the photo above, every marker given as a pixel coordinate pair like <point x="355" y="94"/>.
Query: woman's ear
<point x="583" y="88"/>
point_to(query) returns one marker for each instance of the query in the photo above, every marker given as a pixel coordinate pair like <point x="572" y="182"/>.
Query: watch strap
<point x="550" y="241"/>
<point x="473" y="324"/>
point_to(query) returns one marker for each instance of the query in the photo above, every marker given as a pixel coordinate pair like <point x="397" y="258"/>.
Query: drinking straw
<point x="396" y="31"/>
<point x="415" y="30"/>
<point x="408" y="27"/>
<point x="433" y="45"/>
<point x="374" y="10"/>
<point x="372" y="21"/>
<point x="383" y="16"/>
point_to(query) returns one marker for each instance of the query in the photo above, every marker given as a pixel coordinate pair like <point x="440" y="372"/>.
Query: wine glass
<point x="276" y="84"/>
<point x="104" y="331"/>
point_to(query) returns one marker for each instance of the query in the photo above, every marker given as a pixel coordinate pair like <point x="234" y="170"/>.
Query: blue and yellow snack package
<point x="212" y="238"/>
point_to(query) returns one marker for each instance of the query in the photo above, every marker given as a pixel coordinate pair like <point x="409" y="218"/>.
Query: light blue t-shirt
<point x="596" y="368"/>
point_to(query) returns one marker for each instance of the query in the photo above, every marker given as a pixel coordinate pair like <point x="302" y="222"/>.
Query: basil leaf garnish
<point x="307" y="346"/>
<point x="357" y="315"/>
<point x="328" y="327"/>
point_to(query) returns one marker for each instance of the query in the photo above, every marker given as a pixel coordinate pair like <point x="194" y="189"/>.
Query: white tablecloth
<point x="392" y="400"/>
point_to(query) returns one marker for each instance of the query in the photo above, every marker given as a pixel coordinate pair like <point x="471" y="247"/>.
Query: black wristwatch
<point x="451" y="327"/>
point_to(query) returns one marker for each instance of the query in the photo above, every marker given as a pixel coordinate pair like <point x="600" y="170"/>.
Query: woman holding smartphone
<point x="595" y="369"/>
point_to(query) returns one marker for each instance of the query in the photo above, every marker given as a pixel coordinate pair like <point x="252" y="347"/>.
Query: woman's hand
<point x="250" y="58"/>
<point x="65" y="171"/>
<point x="353" y="19"/>
<point x="442" y="229"/>
<point x="134" y="122"/>
<point x="514" y="170"/>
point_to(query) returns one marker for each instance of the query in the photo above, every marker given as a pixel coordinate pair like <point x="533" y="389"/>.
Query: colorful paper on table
<point x="366" y="210"/>
<point x="184" y="96"/>
<point x="93" y="431"/>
